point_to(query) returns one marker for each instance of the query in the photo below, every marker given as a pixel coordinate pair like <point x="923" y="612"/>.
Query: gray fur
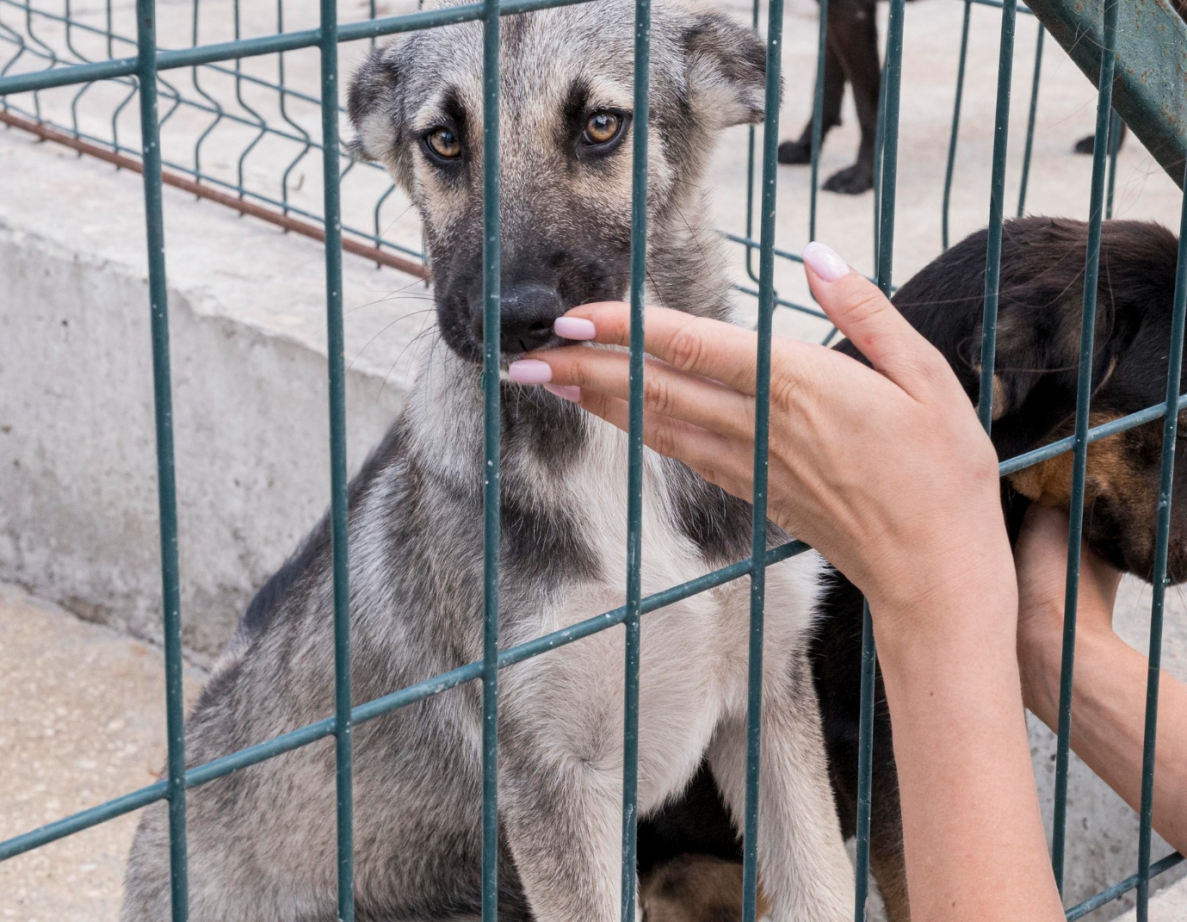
<point x="262" y="840"/>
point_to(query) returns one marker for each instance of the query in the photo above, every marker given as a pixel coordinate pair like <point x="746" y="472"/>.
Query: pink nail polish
<point x="529" y="371"/>
<point x="825" y="261"/>
<point x="574" y="328"/>
<point x="565" y="392"/>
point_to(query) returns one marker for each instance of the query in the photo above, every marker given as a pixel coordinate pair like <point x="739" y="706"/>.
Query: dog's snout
<point x="525" y="317"/>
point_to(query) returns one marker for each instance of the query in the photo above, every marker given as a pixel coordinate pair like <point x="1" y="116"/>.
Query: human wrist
<point x="1040" y="655"/>
<point x="969" y="614"/>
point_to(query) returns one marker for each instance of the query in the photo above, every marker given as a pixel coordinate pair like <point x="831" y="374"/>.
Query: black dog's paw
<point x="796" y="151"/>
<point x="852" y="180"/>
<point x="1085" y="145"/>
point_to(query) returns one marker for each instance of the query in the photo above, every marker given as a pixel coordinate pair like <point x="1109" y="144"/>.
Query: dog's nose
<point x="525" y="319"/>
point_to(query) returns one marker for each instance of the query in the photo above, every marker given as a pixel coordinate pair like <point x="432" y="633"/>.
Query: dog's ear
<point x="727" y="70"/>
<point x="1036" y="369"/>
<point x="373" y="105"/>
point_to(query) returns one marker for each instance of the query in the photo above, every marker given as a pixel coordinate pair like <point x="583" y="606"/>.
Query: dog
<point x="850" y="56"/>
<point x="261" y="840"/>
<point x="1042" y="289"/>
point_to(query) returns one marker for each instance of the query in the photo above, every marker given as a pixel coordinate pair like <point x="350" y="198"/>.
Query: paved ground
<point x="81" y="721"/>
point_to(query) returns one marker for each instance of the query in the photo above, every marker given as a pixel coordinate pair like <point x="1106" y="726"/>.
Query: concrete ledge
<point x="78" y="506"/>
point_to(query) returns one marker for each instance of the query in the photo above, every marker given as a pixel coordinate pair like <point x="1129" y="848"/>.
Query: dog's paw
<point x="1085" y="145"/>
<point x="852" y="180"/>
<point x="795" y="152"/>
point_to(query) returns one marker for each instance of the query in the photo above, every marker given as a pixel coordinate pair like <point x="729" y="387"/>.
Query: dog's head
<point x="565" y="139"/>
<point x="1037" y="365"/>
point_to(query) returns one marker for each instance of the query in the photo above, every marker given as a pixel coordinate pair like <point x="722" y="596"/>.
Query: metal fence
<point x="141" y="74"/>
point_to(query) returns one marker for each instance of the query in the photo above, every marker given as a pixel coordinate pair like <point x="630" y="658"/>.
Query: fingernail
<point x="574" y="328"/>
<point x="825" y="261"/>
<point x="529" y="371"/>
<point x="565" y="391"/>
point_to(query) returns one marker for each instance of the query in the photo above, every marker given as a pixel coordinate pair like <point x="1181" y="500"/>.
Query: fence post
<point x="146" y="73"/>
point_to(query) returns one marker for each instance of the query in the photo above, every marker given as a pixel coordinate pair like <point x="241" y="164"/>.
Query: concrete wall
<point x="78" y="502"/>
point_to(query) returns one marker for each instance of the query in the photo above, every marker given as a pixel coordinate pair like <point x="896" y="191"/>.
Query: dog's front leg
<point x="562" y="818"/>
<point x="803" y="865"/>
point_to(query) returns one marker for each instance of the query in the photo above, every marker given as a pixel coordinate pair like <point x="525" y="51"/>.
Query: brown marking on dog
<point x="696" y="888"/>
<point x="1122" y="470"/>
<point x="1000" y="406"/>
<point x="890" y="871"/>
<point x="1110" y="470"/>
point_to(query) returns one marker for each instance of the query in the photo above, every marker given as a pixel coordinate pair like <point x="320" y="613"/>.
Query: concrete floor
<point x="81" y="721"/>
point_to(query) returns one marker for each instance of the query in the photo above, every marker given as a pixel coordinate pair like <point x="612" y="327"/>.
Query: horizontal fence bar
<point x="1095" y="434"/>
<point x="751" y="244"/>
<point x="783" y="302"/>
<point x="304" y="228"/>
<point x="1117" y="890"/>
<point x="84" y="819"/>
<point x="267" y="44"/>
<point x="361" y="713"/>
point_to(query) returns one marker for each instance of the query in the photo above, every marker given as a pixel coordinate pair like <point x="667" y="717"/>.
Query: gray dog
<point x="261" y="841"/>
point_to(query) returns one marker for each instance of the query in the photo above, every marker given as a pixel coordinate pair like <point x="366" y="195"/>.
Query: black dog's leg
<point x="834" y="91"/>
<point x="1087" y="144"/>
<point x="853" y="31"/>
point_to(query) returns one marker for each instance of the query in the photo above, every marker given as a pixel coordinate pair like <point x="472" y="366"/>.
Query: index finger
<point x="697" y="345"/>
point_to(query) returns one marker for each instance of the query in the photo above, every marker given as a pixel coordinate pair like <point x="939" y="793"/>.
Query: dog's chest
<point x="695" y="651"/>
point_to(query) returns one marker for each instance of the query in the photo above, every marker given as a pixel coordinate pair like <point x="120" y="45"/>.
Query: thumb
<point x="867" y="318"/>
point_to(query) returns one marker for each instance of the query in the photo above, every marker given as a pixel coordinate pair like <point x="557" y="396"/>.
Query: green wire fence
<point x="142" y="72"/>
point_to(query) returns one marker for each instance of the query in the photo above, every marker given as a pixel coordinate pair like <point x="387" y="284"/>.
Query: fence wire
<point x="236" y="78"/>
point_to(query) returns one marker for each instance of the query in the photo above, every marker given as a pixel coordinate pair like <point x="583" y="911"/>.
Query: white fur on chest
<point x="695" y="652"/>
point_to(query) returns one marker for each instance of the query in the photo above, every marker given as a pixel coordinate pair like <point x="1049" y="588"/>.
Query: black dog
<point x="851" y="56"/>
<point x="1034" y="403"/>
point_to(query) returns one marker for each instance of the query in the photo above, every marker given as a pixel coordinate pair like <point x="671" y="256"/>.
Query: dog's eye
<point x="444" y="143"/>
<point x="602" y="127"/>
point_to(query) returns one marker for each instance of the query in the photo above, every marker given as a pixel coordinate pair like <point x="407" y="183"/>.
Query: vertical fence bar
<point x="879" y="143"/>
<point x="1030" y="120"/>
<point x="491" y="333"/>
<point x="762" y="413"/>
<point x="1116" y="126"/>
<point x="146" y="72"/>
<point x="886" y="175"/>
<point x="951" y="167"/>
<point x="865" y="763"/>
<point x="997" y="194"/>
<point x="1170" y="432"/>
<point x="750" y="173"/>
<point x="817" y="116"/>
<point x="1080" y="451"/>
<point x="630" y="738"/>
<point x="343" y="738"/>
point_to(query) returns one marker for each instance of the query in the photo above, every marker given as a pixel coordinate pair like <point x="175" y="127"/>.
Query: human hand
<point x="885" y="470"/>
<point x="1041" y="561"/>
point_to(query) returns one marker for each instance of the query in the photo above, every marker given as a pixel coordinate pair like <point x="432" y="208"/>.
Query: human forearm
<point x="1108" y="719"/>
<point x="972" y="830"/>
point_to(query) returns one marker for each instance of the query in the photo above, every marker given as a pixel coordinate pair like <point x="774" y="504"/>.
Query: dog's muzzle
<point x="526" y="315"/>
